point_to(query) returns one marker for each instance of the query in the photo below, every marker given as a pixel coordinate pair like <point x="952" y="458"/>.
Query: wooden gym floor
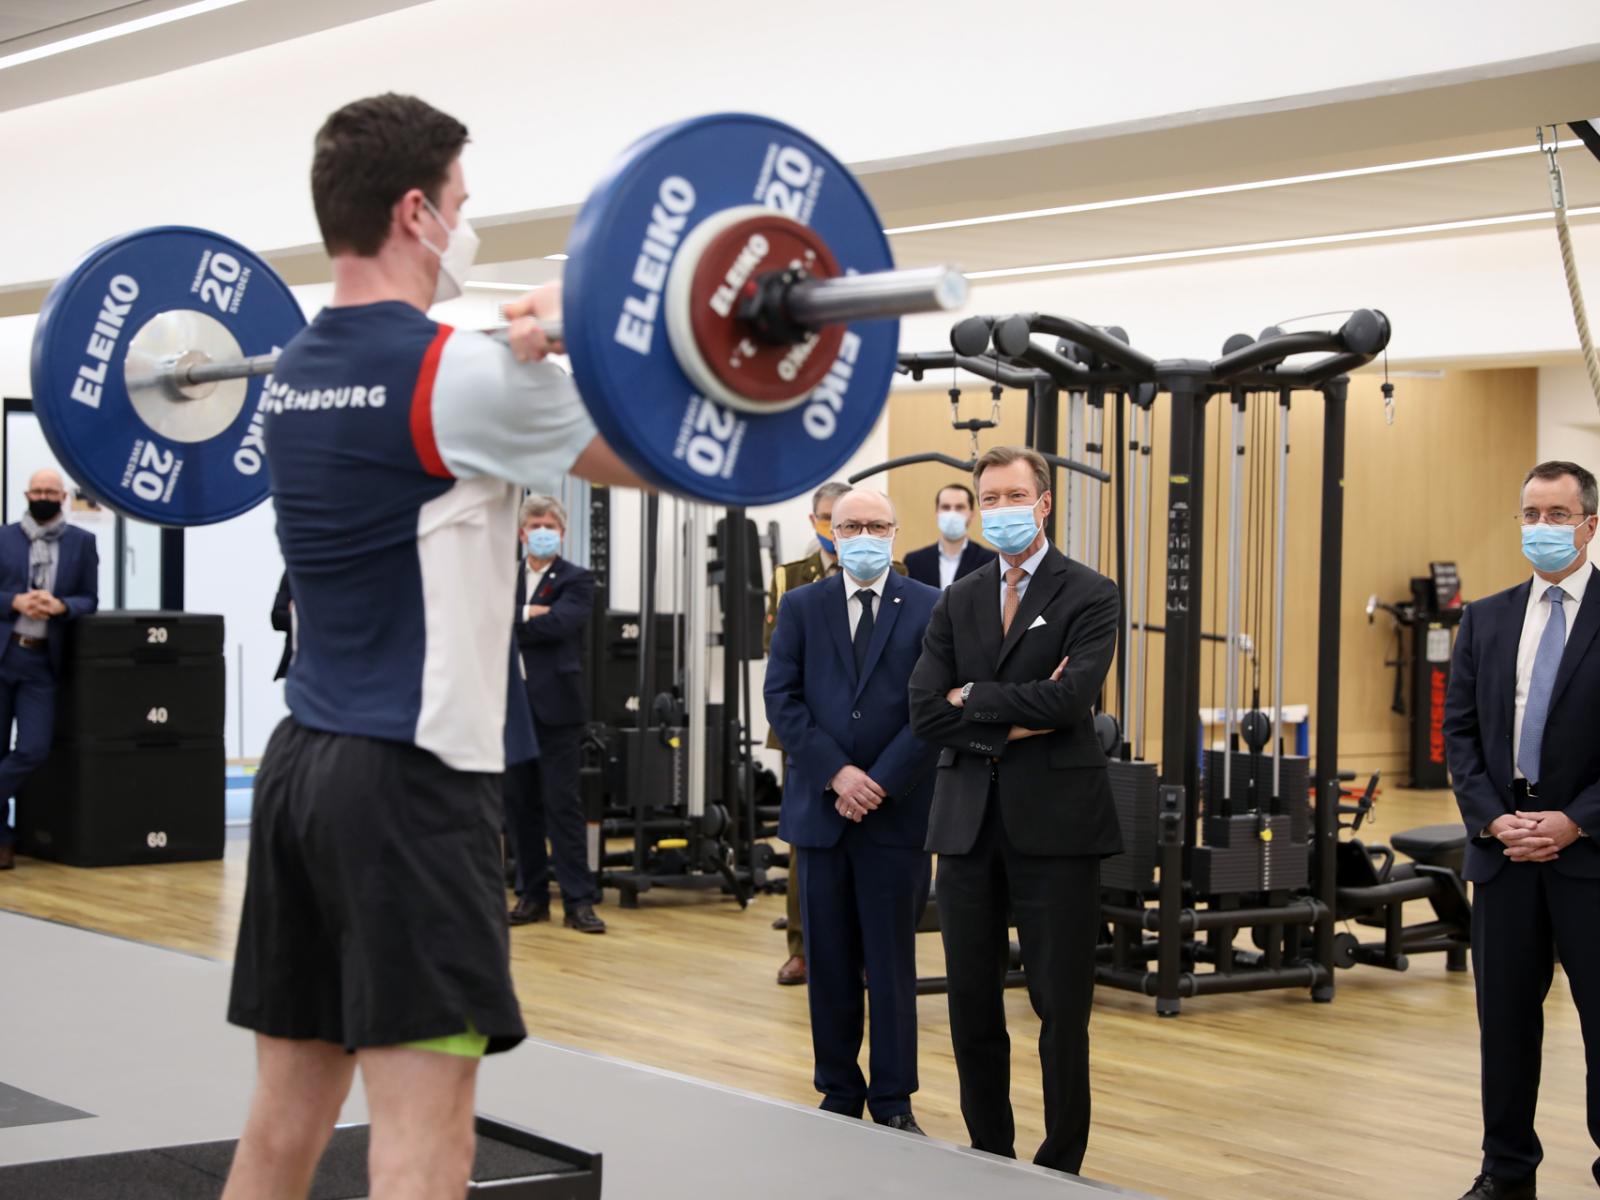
<point x="1265" y="1095"/>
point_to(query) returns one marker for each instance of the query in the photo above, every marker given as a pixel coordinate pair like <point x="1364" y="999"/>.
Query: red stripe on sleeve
<point x="422" y="408"/>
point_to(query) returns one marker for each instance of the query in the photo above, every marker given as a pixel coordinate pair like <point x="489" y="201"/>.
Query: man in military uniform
<point x="821" y="563"/>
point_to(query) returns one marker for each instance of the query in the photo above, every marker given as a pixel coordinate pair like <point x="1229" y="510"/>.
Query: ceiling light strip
<point x="1326" y="239"/>
<point x="78" y="41"/>
<point x="1222" y="189"/>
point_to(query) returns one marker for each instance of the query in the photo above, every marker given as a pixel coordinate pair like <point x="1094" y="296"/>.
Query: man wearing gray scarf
<point x="49" y="574"/>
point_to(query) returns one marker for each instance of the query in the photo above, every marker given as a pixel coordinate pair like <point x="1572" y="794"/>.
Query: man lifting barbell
<point x="373" y="930"/>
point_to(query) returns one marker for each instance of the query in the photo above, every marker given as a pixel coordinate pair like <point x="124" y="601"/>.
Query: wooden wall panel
<point x="1440" y="483"/>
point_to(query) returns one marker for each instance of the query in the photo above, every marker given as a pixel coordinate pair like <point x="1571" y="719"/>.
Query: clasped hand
<point x="856" y="793"/>
<point x="1534" y="836"/>
<point x="38" y="604"/>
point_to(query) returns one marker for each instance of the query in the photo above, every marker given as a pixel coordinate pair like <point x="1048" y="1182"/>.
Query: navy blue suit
<point x="923" y="565"/>
<point x="862" y="885"/>
<point x="28" y="677"/>
<point x="1521" y="910"/>
<point x="542" y="797"/>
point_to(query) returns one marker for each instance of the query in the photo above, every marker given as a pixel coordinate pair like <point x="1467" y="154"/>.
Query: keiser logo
<point x="637" y="322"/>
<point x="121" y="292"/>
<point x="1436" y="691"/>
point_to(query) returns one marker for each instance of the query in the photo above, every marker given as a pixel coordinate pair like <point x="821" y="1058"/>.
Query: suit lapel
<point x="1583" y="631"/>
<point x="1510" y="634"/>
<point x="985" y="614"/>
<point x="882" y="624"/>
<point x="1042" y="588"/>
<point x="837" y="618"/>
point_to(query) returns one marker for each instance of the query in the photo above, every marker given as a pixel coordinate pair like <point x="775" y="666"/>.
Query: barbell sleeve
<point x="880" y="294"/>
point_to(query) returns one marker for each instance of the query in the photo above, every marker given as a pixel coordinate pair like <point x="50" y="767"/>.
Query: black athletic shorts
<point x="374" y="909"/>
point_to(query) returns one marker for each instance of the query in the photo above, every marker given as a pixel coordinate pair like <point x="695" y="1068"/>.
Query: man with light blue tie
<point x="1520" y="727"/>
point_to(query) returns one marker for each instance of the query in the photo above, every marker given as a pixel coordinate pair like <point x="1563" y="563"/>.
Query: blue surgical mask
<point x="1011" y="530"/>
<point x="953" y="525"/>
<point x="543" y="543"/>
<point x="1550" y="548"/>
<point x="865" y="557"/>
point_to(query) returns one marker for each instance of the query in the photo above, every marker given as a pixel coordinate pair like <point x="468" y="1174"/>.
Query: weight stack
<point x="1235" y="859"/>
<point x="1294" y="783"/>
<point x="136" y="773"/>
<point x="616" y="693"/>
<point x="1133" y="791"/>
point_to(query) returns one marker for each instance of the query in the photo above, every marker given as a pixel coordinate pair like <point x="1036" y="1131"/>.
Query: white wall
<point x="1569" y="416"/>
<point x="552" y="91"/>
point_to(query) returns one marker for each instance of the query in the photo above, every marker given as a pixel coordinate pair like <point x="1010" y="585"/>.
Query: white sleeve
<point x="492" y="415"/>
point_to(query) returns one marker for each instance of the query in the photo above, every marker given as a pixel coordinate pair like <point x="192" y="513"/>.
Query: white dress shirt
<point x="531" y="580"/>
<point x="1030" y="565"/>
<point x="1534" y="619"/>
<point x="948" y="566"/>
<point x="852" y="602"/>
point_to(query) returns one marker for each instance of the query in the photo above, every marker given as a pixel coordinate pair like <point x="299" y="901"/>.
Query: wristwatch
<point x="966" y="693"/>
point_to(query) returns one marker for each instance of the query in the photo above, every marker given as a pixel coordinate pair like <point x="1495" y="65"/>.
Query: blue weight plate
<point x="620" y="251"/>
<point x="133" y="303"/>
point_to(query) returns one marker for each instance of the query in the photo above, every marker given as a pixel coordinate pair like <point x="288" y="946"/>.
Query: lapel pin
<point x="897" y="599"/>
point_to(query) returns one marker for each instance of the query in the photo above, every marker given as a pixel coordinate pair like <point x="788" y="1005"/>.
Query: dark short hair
<point x="1004" y="456"/>
<point x="369" y="154"/>
<point x="972" y="501"/>
<point x="1557" y="469"/>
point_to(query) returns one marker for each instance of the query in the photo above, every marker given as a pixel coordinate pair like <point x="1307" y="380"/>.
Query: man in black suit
<point x="954" y="556"/>
<point x="49" y="576"/>
<point x="1022" y="814"/>
<point x="1520" y="722"/>
<point x="283" y="622"/>
<point x="554" y="601"/>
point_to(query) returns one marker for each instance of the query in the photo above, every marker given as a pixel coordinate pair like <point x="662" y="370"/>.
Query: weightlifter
<point x="373" y="931"/>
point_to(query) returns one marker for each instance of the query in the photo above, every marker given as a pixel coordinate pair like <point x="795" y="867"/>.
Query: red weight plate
<point x="725" y="275"/>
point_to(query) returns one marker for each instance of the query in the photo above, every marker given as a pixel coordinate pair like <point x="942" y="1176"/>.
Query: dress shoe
<point x="792" y="972"/>
<point x="904" y="1122"/>
<point x="1489" y="1187"/>
<point x="582" y="918"/>
<point x="530" y="910"/>
<point x="8" y="856"/>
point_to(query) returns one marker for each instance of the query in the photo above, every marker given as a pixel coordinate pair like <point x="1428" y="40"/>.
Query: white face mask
<point x="455" y="260"/>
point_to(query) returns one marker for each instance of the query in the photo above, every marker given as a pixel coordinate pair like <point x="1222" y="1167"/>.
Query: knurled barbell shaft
<point x="812" y="302"/>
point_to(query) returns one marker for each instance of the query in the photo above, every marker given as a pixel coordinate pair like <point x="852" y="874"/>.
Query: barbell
<point x="729" y="307"/>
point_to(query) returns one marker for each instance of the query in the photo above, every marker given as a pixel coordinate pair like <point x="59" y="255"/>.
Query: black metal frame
<point x="1088" y="358"/>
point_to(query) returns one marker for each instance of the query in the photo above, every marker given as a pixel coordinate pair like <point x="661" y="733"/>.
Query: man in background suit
<point x="554" y="601"/>
<point x="856" y="799"/>
<point x="955" y="555"/>
<point x="1520" y="728"/>
<point x="49" y="575"/>
<point x="1022" y="811"/>
<point x="283" y="622"/>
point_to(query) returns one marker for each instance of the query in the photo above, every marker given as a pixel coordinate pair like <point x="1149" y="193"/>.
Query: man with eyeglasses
<point x="49" y="575"/>
<point x="1520" y="727"/>
<point x="856" y="802"/>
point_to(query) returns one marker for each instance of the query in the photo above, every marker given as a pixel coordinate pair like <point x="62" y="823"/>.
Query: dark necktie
<point x="863" y="629"/>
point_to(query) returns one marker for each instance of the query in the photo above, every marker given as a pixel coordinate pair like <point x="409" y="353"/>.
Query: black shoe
<point x="530" y="910"/>
<point x="8" y="856"/>
<point x="1488" y="1187"/>
<point x="904" y="1122"/>
<point x="581" y="917"/>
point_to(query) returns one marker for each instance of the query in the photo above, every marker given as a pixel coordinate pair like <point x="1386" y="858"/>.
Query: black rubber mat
<point x="197" y="1172"/>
